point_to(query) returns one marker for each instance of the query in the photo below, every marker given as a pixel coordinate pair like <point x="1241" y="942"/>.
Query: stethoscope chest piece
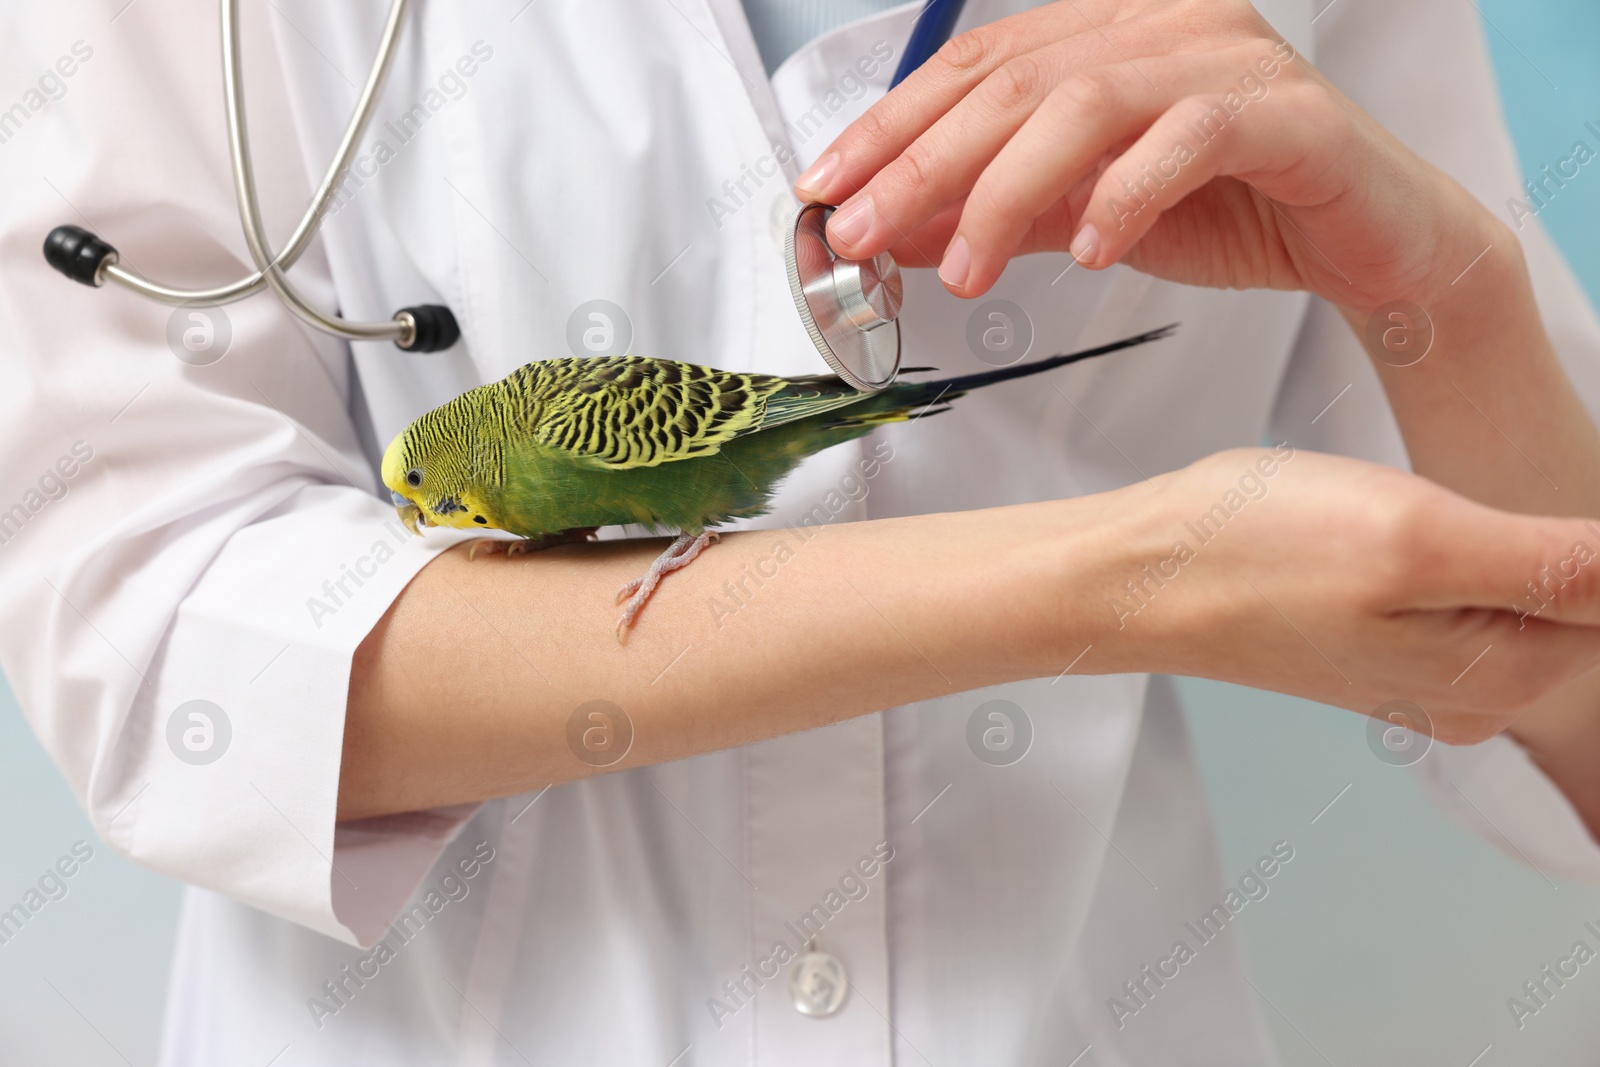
<point x="849" y="307"/>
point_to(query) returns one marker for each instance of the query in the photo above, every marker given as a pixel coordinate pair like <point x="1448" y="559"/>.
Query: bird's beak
<point x="410" y="514"/>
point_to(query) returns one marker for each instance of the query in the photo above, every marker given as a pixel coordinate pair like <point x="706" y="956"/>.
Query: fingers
<point x="923" y="144"/>
<point x="1455" y="553"/>
<point x="881" y="134"/>
<point x="1196" y="141"/>
<point x="1487" y="647"/>
<point x="1023" y="149"/>
<point x="924" y="246"/>
<point x="942" y="164"/>
<point x="1080" y="127"/>
<point x="1472" y="672"/>
<point x="1016" y="117"/>
<point x="1555" y="576"/>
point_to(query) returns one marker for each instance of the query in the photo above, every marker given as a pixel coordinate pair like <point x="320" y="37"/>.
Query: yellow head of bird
<point x="431" y="479"/>
<point x="404" y="481"/>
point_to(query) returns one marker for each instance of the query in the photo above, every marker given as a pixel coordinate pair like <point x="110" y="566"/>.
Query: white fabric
<point x="623" y="152"/>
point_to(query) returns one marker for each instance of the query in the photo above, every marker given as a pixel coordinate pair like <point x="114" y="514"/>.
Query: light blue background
<point x="1393" y="939"/>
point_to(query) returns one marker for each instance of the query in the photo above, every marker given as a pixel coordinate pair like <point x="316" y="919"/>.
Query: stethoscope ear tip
<point x="79" y="254"/>
<point x="433" y="328"/>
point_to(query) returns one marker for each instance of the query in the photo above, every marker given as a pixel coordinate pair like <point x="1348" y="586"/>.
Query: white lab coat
<point x="604" y="921"/>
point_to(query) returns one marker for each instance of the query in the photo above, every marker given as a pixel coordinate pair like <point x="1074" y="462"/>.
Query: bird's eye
<point x="414" y="477"/>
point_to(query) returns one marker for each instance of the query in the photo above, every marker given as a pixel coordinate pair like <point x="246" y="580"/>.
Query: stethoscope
<point x="850" y="308"/>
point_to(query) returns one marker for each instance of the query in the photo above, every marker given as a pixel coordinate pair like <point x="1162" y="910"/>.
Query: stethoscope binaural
<point x="850" y="308"/>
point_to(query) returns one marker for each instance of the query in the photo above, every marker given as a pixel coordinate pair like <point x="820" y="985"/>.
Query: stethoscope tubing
<point x="244" y="177"/>
<point x="244" y="181"/>
<point x="86" y="258"/>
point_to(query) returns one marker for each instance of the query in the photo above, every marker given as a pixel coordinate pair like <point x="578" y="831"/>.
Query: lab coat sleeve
<point x="1422" y="69"/>
<point x="189" y="554"/>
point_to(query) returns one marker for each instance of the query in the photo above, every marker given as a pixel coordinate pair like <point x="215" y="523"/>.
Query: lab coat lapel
<point x="739" y="45"/>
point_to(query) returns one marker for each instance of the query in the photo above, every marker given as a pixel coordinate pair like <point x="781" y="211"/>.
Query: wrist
<point x="1478" y="393"/>
<point x="1475" y="291"/>
<point x="1117" y="579"/>
<point x="1481" y="291"/>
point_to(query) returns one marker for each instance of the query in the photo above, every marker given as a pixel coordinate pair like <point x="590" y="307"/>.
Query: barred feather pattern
<point x="610" y="412"/>
<point x="622" y="412"/>
<point x="618" y="411"/>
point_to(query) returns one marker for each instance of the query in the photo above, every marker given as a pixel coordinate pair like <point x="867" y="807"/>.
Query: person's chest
<point x="582" y="179"/>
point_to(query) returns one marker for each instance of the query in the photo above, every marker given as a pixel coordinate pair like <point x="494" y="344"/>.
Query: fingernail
<point x="815" y="179"/>
<point x="957" y="263"/>
<point x="1086" y="245"/>
<point x="850" y="223"/>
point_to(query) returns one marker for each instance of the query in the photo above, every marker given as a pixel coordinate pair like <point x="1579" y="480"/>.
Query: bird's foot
<point x="490" y="546"/>
<point x="532" y="544"/>
<point x="677" y="555"/>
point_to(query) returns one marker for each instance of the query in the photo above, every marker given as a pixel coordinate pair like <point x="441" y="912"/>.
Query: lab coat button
<point x="818" y="984"/>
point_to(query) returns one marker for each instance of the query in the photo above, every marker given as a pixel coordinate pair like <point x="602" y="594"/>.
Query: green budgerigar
<point x="560" y="448"/>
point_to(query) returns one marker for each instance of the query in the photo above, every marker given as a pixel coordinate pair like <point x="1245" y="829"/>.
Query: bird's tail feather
<point x="907" y="400"/>
<point x="919" y="393"/>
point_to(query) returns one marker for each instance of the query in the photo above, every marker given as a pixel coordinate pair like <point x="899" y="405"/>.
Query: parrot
<point x="561" y="447"/>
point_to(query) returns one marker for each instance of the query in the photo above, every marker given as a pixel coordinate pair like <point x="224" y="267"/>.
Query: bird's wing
<point x="622" y="412"/>
<point x="800" y="398"/>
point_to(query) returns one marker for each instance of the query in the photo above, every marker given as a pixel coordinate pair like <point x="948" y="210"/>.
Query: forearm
<point x="464" y="690"/>
<point x="1302" y="191"/>
<point x="1490" y="413"/>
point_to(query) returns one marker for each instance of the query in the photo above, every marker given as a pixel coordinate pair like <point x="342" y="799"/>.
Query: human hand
<point x="1347" y="583"/>
<point x="1186" y="139"/>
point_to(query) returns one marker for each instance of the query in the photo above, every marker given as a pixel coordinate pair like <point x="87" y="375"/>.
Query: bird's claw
<point x="637" y="592"/>
<point x="532" y="544"/>
<point x="490" y="545"/>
